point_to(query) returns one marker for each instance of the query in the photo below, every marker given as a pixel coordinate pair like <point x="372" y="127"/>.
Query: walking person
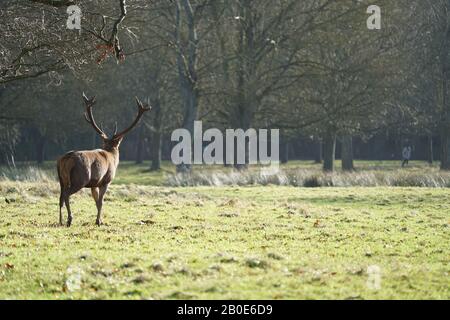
<point x="406" y="154"/>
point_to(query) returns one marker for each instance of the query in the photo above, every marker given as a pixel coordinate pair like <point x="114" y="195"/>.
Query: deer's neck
<point x="115" y="155"/>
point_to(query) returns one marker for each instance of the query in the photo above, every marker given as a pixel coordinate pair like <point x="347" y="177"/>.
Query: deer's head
<point x="113" y="142"/>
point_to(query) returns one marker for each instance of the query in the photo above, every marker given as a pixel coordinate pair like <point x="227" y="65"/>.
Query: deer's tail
<point x="65" y="165"/>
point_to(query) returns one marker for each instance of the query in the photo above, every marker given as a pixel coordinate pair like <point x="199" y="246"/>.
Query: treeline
<point x="310" y="68"/>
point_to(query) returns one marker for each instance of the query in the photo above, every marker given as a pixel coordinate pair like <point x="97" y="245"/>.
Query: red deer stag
<point x="94" y="169"/>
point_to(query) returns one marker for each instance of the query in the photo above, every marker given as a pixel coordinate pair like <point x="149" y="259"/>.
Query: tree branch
<point x="55" y="3"/>
<point x="114" y="40"/>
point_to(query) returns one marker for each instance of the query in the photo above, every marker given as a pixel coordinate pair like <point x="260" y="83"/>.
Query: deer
<point x="94" y="169"/>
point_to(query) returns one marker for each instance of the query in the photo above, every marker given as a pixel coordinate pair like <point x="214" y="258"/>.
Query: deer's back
<point x="89" y="169"/>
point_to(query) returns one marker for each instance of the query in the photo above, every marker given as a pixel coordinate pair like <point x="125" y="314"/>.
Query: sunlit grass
<point x="367" y="173"/>
<point x="230" y="242"/>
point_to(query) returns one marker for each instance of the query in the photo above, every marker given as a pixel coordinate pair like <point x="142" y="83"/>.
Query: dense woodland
<point x="311" y="68"/>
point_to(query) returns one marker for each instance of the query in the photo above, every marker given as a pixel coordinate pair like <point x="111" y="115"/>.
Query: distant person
<point x="406" y="154"/>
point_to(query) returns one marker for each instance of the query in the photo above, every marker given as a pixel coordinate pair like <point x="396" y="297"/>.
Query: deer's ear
<point x="118" y="139"/>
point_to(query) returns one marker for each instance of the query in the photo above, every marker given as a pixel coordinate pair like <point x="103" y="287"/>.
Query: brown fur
<point x="64" y="166"/>
<point x="94" y="169"/>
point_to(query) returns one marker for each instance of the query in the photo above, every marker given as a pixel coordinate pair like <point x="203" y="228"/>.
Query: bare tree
<point x="36" y="41"/>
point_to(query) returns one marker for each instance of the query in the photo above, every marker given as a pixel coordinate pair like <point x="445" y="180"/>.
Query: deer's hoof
<point x="98" y="223"/>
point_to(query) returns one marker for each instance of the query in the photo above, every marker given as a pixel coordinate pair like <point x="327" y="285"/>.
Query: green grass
<point x="130" y="173"/>
<point x="225" y="243"/>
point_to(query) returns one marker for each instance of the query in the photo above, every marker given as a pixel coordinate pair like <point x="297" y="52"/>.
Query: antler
<point x="90" y="117"/>
<point x="141" y="110"/>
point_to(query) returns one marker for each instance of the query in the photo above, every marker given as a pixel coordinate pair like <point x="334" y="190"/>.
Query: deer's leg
<point x="99" y="202"/>
<point x="66" y="195"/>
<point x="69" y="212"/>
<point x="95" y="192"/>
<point x="61" y="205"/>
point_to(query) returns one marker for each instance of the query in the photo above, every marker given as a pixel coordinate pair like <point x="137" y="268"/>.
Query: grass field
<point x="295" y="173"/>
<point x="271" y="242"/>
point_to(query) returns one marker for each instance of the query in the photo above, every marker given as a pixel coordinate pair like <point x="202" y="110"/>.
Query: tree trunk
<point x="445" y="118"/>
<point x="187" y="69"/>
<point x="156" y="136"/>
<point x="445" y="163"/>
<point x="242" y="118"/>
<point x="94" y="140"/>
<point x="398" y="148"/>
<point x="9" y="160"/>
<point x="140" y="146"/>
<point x="347" y="153"/>
<point x="329" y="150"/>
<point x="318" y="154"/>
<point x="246" y="96"/>
<point x="284" y="152"/>
<point x="156" y="151"/>
<point x="430" y="150"/>
<point x="40" y="150"/>
<point x="12" y="161"/>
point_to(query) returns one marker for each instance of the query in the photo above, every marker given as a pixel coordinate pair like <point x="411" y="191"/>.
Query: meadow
<point x="251" y="236"/>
